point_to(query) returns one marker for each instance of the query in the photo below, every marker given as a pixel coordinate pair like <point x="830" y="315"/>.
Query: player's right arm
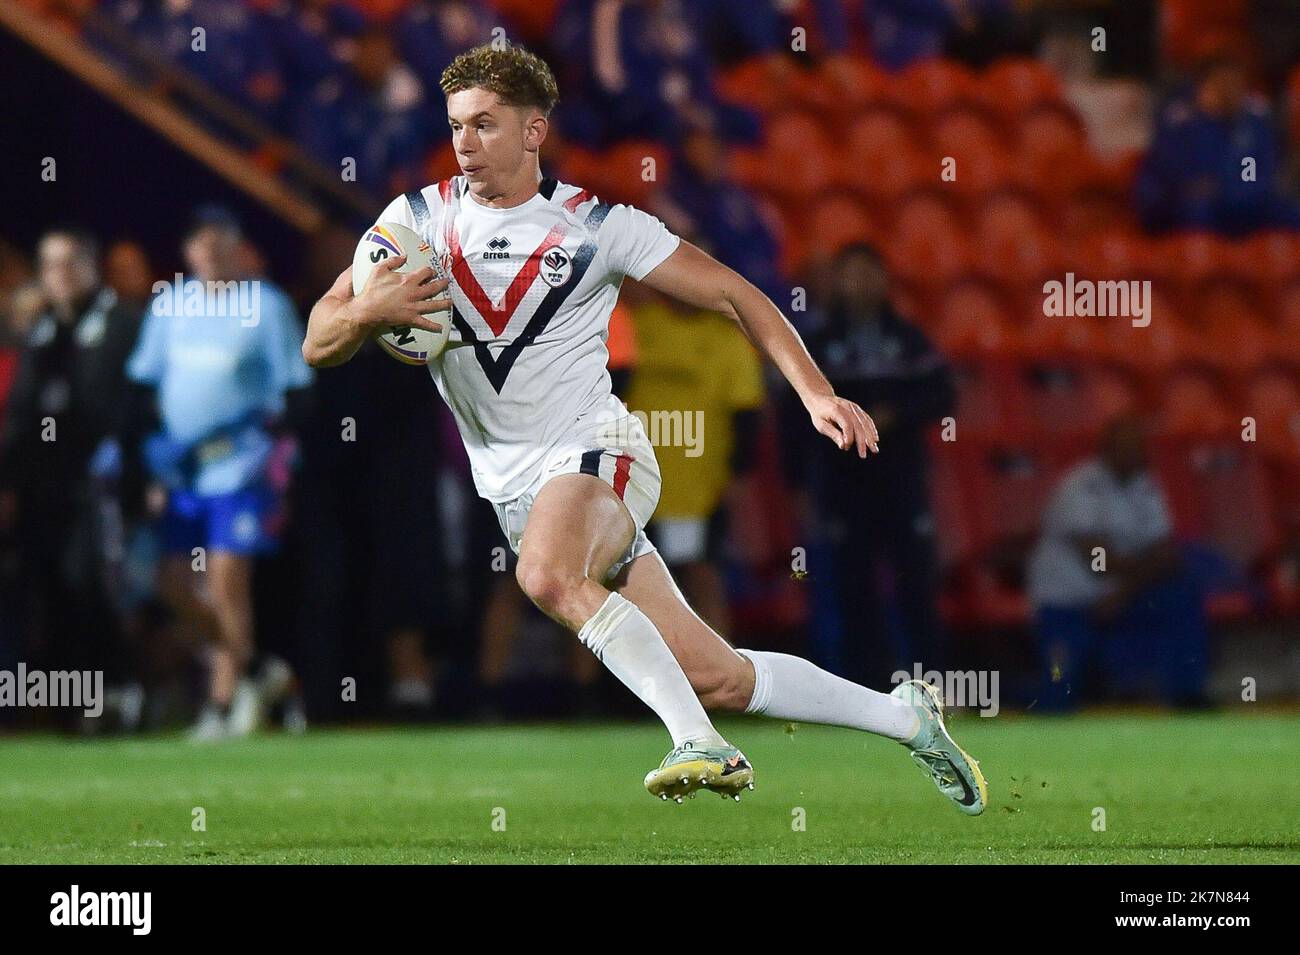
<point x="341" y="322"/>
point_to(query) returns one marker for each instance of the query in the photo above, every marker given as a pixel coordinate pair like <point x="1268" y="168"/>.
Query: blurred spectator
<point x="704" y="205"/>
<point x="311" y="40"/>
<point x="876" y="509"/>
<point x="1108" y="586"/>
<point x="374" y="114"/>
<point x="637" y="69"/>
<point x="61" y="414"/>
<point x="699" y="384"/>
<point x="1195" y="174"/>
<point x="128" y="273"/>
<point x="898" y="33"/>
<point x="219" y="41"/>
<point x="223" y="355"/>
<point x="431" y="32"/>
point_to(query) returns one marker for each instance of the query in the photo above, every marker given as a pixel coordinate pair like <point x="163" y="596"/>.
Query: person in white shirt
<point x="1107" y="582"/>
<point x="535" y="267"/>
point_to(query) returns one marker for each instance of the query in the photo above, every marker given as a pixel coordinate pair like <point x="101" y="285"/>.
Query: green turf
<point x="1174" y="789"/>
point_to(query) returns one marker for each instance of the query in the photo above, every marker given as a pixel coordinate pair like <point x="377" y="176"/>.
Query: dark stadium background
<point x="967" y="261"/>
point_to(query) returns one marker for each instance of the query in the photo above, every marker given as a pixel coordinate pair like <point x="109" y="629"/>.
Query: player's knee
<point x="545" y="585"/>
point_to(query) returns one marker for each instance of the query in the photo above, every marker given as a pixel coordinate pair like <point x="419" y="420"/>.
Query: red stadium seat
<point x="534" y="18"/>
<point x="1219" y="493"/>
<point x="1193" y="407"/>
<point x="1013" y="242"/>
<point x="879" y="132"/>
<point x="928" y="86"/>
<point x="750" y="84"/>
<point x="838" y="220"/>
<point x="1273" y="256"/>
<point x="859" y="82"/>
<point x="797" y="154"/>
<point x="963" y="129"/>
<point x="926" y="243"/>
<point x="1273" y="400"/>
<point x="1015" y="86"/>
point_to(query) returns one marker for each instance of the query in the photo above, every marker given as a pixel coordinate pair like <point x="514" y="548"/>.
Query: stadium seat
<point x="1219" y="494"/>
<point x="749" y="84"/>
<point x="1272" y="398"/>
<point x="879" y="132"/>
<point x="1193" y="407"/>
<point x="926" y="242"/>
<point x="971" y="320"/>
<point x="1015" y="86"/>
<point x="962" y="129"/>
<point x="861" y="84"/>
<point x="534" y="18"/>
<point x="1274" y="257"/>
<point x="1052" y="146"/>
<point x="928" y="86"/>
<point x="797" y="155"/>
<point x="1013" y="242"/>
<point x="837" y="220"/>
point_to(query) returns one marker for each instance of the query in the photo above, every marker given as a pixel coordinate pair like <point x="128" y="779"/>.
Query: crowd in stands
<point x="902" y="176"/>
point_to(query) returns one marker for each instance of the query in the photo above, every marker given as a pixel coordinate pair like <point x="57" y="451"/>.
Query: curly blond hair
<point x="518" y="77"/>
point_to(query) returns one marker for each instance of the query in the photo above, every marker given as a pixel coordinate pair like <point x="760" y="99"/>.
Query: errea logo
<point x="497" y="246"/>
<point x="134" y="909"/>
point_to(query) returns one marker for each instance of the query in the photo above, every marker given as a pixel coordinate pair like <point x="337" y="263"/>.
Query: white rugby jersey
<point x="532" y="291"/>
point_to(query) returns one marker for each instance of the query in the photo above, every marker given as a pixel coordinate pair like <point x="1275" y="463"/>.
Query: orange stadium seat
<point x="618" y="173"/>
<point x="879" y="132"/>
<point x="961" y="129"/>
<point x="885" y="180"/>
<point x="1014" y="86"/>
<point x="926" y="243"/>
<point x="750" y="84"/>
<point x="1273" y="400"/>
<point x="838" y="220"/>
<point x="1191" y="29"/>
<point x="796" y="153"/>
<point x="533" y="17"/>
<point x="1193" y="406"/>
<point x="1053" y="149"/>
<point x="1274" y="256"/>
<point x="1113" y="254"/>
<point x="1013" y="242"/>
<point x="928" y="86"/>
<point x="970" y="321"/>
<point x="1219" y="493"/>
<point x="859" y="82"/>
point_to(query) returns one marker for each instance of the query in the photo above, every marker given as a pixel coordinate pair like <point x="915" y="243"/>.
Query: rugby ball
<point x="383" y="240"/>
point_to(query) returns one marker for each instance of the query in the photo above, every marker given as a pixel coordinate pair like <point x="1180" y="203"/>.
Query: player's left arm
<point x="696" y="278"/>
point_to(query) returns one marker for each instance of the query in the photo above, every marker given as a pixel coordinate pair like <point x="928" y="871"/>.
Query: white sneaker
<point x="210" y="726"/>
<point x="951" y="768"/>
<point x="246" y="710"/>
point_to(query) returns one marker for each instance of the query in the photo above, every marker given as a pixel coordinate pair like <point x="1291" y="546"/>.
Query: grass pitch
<point x="1215" y="788"/>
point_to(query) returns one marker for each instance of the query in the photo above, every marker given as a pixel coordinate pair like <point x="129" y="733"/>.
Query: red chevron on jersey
<point x="498" y="316"/>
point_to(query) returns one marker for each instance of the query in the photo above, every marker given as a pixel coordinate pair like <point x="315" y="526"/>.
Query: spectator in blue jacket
<point x="1215" y="161"/>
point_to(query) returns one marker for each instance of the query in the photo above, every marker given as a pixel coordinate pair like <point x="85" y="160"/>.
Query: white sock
<point x="624" y="639"/>
<point x="791" y="688"/>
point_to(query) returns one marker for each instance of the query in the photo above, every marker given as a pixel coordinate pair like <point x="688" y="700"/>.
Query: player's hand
<point x="844" y="423"/>
<point x="394" y="299"/>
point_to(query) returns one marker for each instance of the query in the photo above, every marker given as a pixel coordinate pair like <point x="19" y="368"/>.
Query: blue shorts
<point x="243" y="522"/>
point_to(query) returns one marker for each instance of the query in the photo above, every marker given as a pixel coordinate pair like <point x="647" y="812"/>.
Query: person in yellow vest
<point x="699" y="386"/>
